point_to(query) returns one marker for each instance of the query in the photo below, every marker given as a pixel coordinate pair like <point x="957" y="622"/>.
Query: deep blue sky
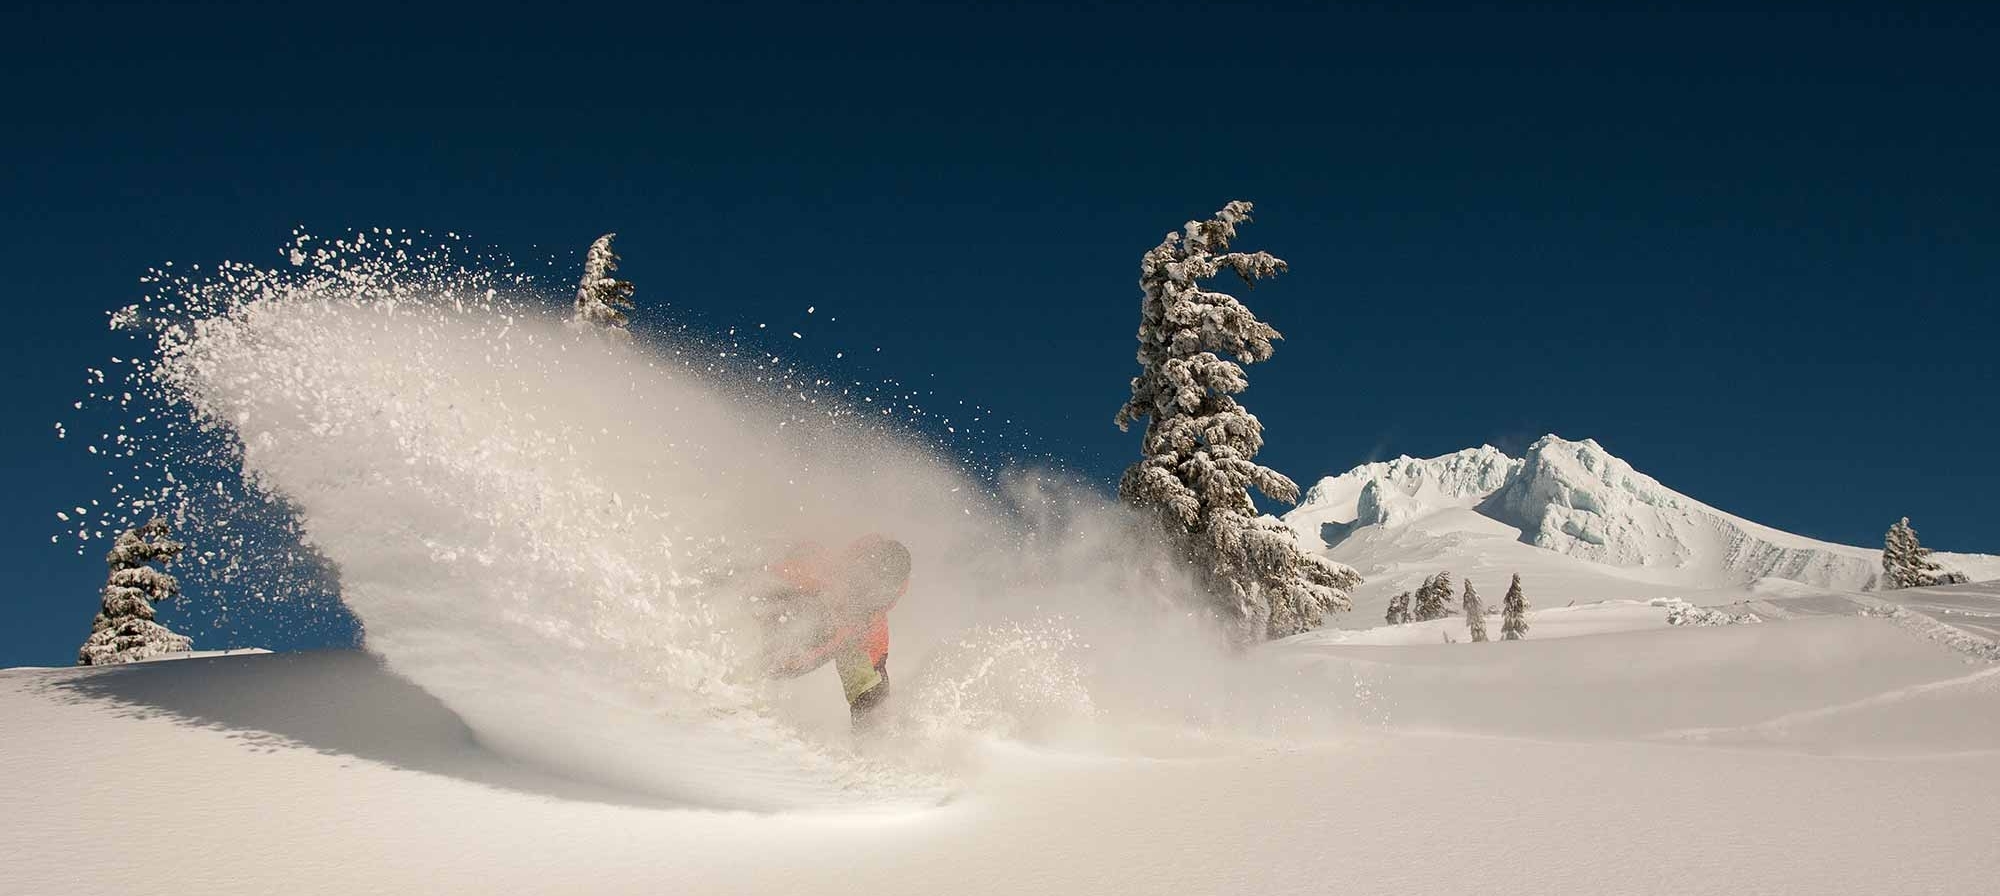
<point x="1753" y="252"/>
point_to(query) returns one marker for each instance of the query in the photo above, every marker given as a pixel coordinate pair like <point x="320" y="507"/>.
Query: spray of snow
<point x="553" y="532"/>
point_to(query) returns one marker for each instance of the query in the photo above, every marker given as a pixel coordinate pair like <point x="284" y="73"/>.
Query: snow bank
<point x="1680" y="612"/>
<point x="204" y="654"/>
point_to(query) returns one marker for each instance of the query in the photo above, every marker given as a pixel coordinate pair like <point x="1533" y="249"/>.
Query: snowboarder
<point x="826" y="605"/>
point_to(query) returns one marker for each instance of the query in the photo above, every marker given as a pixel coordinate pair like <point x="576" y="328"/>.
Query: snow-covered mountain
<point x="1577" y="522"/>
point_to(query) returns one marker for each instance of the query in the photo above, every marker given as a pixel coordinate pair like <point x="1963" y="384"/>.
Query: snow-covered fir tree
<point x="1417" y="599"/>
<point x="600" y="296"/>
<point x="1432" y="598"/>
<point x="1399" y="609"/>
<point x="1198" y="452"/>
<point x="1514" y="612"/>
<point x="124" y="629"/>
<point x="1475" y="613"/>
<point x="1906" y="563"/>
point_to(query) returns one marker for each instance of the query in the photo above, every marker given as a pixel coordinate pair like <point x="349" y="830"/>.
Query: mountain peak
<point x="1578" y="499"/>
<point x="1466" y="473"/>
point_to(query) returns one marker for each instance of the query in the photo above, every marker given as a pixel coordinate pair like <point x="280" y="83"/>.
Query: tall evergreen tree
<point x="124" y="629"/>
<point x="1432" y="596"/>
<point x="1514" y="612"/>
<point x="1197" y="465"/>
<point x="1475" y="613"/>
<point x="599" y="296"/>
<point x="1399" y="609"/>
<point x="1906" y="563"/>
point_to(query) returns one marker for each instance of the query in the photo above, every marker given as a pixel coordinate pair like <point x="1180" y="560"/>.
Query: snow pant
<point x="864" y="677"/>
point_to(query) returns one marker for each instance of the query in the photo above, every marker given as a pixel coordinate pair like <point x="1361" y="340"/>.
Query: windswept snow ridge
<point x="1575" y="498"/>
<point x="1392" y="493"/>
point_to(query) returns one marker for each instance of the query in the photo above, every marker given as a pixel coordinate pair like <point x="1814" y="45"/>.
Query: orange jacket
<point x="813" y="570"/>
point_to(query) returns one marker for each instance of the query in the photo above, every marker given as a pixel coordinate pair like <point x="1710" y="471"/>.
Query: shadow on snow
<point x="335" y="702"/>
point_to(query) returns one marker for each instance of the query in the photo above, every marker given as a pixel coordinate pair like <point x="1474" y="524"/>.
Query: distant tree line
<point x="1432" y="600"/>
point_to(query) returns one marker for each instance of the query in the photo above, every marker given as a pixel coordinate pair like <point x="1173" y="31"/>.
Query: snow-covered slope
<point x="1576" y="522"/>
<point x="1575" y="498"/>
<point x="1860" y="763"/>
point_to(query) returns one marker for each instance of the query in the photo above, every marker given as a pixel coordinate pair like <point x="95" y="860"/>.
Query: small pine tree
<point x="1514" y="612"/>
<point x="1199" y="449"/>
<point x="1906" y="563"/>
<point x="124" y="629"/>
<point x="599" y="296"/>
<point x="1399" y="609"/>
<point x="1432" y="596"/>
<point x="1475" y="613"/>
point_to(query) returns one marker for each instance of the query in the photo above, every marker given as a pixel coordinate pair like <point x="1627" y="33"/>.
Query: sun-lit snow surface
<point x="1578" y="524"/>
<point x="1973" y="607"/>
<point x="1818" y="754"/>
